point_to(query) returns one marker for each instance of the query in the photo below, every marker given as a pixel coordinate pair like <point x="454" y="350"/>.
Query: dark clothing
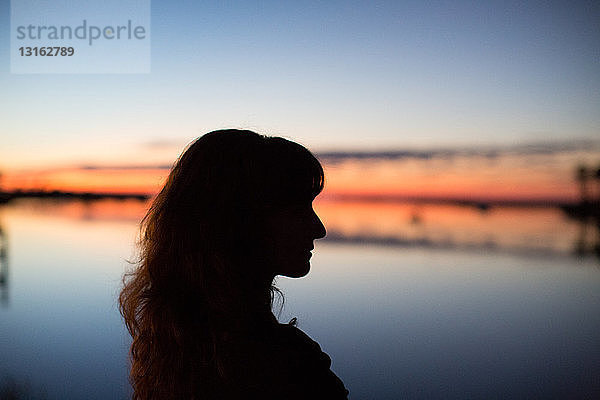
<point x="279" y="361"/>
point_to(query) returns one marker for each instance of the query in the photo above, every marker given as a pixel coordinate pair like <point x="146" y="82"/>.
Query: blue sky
<point x="332" y="75"/>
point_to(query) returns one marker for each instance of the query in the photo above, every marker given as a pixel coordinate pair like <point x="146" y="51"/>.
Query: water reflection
<point x="586" y="244"/>
<point x="588" y="239"/>
<point x="517" y="230"/>
<point x="452" y="301"/>
<point x="525" y="231"/>
<point x="586" y="212"/>
<point x="11" y="389"/>
<point x="61" y="331"/>
<point x="3" y="267"/>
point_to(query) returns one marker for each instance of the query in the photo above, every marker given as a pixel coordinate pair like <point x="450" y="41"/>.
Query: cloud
<point x="337" y="156"/>
<point x="490" y="152"/>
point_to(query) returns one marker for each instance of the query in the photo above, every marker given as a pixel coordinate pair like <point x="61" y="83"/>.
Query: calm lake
<point x="419" y="301"/>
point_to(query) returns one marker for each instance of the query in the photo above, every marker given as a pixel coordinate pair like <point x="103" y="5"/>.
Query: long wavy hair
<point x="199" y="277"/>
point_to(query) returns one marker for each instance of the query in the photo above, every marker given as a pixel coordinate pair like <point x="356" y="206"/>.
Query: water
<point x="410" y="301"/>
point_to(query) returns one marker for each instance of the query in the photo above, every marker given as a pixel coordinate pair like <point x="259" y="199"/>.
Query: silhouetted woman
<point x="235" y="212"/>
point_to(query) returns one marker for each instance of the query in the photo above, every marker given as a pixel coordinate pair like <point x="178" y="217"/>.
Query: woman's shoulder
<point x="294" y="338"/>
<point x="311" y="364"/>
<point x="284" y="362"/>
<point x="291" y="332"/>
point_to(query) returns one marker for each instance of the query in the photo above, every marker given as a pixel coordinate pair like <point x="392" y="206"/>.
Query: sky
<point x="334" y="76"/>
<point x="350" y="75"/>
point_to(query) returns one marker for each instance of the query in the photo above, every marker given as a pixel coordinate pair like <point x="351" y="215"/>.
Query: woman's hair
<point x="199" y="277"/>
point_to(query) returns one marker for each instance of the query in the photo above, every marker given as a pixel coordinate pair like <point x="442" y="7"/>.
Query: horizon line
<point x="478" y="202"/>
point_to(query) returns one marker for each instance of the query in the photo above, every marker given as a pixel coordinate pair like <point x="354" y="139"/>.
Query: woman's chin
<point x="296" y="271"/>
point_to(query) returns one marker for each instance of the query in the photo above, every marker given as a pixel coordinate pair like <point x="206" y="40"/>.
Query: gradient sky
<point x="332" y="75"/>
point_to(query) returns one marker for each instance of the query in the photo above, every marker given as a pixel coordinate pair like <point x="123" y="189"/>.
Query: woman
<point x="235" y="212"/>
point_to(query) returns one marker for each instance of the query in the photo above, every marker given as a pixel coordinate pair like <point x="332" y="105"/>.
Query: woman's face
<point x="290" y="232"/>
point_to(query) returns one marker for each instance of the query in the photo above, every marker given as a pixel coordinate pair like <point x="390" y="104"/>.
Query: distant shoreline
<point x="478" y="203"/>
<point x="6" y="197"/>
<point x="576" y="210"/>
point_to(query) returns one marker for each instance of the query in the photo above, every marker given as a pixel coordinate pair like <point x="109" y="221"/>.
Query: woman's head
<point x="228" y="191"/>
<point x="235" y="211"/>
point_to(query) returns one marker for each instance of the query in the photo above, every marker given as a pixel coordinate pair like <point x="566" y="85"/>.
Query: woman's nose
<point x="319" y="229"/>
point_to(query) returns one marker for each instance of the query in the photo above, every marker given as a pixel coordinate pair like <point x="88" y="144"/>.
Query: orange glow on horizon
<point x="119" y="181"/>
<point x="511" y="178"/>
